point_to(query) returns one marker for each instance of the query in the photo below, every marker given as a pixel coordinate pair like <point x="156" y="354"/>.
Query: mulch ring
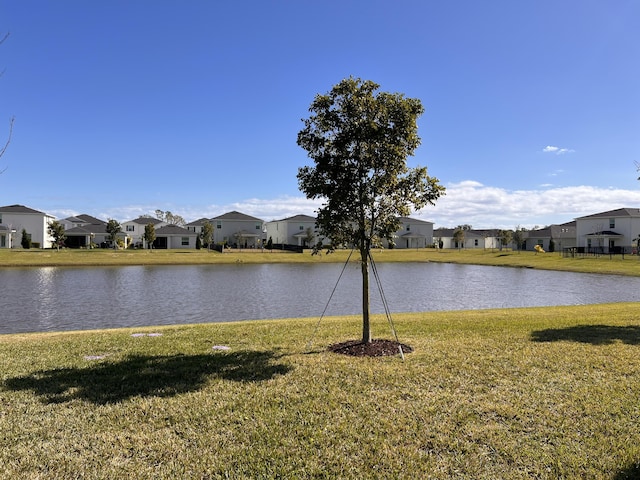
<point x="375" y="348"/>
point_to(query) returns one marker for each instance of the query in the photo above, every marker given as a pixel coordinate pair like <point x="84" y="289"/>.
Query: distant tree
<point x="270" y="244"/>
<point x="170" y="218"/>
<point x="113" y="228"/>
<point x="518" y="237"/>
<point x="198" y="243"/>
<point x="26" y="239"/>
<point x="207" y="234"/>
<point x="458" y="236"/>
<point x="359" y="140"/>
<point x="149" y="234"/>
<point x="552" y="245"/>
<point x="505" y="237"/>
<point x="309" y="237"/>
<point x="56" y="230"/>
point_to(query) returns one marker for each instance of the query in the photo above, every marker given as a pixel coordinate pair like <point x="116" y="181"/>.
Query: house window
<point x="257" y="226"/>
<point x="185" y="240"/>
<point x="612" y="223"/>
<point x="475" y="242"/>
<point x="408" y="228"/>
<point x="130" y="228"/>
<point x="0" y="218"/>
<point x="3" y="241"/>
<point x="301" y="227"/>
<point x="218" y="224"/>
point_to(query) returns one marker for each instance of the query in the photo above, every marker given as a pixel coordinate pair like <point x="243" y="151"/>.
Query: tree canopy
<point x="359" y="139"/>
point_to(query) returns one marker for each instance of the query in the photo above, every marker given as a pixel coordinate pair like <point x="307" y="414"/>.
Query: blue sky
<point x="532" y="109"/>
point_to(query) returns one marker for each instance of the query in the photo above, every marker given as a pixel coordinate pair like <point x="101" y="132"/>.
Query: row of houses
<point x="611" y="231"/>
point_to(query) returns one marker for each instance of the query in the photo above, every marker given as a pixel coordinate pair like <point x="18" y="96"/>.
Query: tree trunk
<point x="366" y="326"/>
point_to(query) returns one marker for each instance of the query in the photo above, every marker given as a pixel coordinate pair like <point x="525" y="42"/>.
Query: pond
<point x="57" y="298"/>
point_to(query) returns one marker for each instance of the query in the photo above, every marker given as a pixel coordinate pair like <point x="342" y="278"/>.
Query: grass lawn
<point x="629" y="265"/>
<point x="490" y="394"/>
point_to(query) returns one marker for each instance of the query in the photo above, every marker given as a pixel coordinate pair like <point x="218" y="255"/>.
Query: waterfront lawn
<point x="510" y="394"/>
<point x="616" y="264"/>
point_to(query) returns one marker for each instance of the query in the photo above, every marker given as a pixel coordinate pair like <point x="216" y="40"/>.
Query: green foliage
<point x="458" y="236"/>
<point x="149" y="234"/>
<point x="270" y="244"/>
<point x="552" y="245"/>
<point x="26" y="239"/>
<point x="207" y="234"/>
<point x="198" y="243"/>
<point x="113" y="228"/>
<point x="359" y="140"/>
<point x="56" y="230"/>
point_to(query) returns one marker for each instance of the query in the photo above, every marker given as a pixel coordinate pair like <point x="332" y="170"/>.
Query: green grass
<point x="510" y="394"/>
<point x="629" y="265"/>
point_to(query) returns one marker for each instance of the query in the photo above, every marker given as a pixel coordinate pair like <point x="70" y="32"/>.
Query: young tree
<point x="149" y="234"/>
<point x="505" y="237"/>
<point x="113" y="229"/>
<point x="207" y="234"/>
<point x="56" y="230"/>
<point x="359" y="140"/>
<point x="518" y="237"/>
<point x="458" y="236"/>
<point x="26" y="239"/>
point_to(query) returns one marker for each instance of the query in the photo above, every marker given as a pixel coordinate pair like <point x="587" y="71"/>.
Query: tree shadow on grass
<point x="594" y="334"/>
<point x="631" y="472"/>
<point x="153" y="376"/>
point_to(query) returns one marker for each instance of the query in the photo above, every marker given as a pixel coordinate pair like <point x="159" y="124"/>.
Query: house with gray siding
<point x="16" y="218"/>
<point x="237" y="230"/>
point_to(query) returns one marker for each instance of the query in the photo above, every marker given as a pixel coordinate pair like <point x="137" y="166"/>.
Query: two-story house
<point x="16" y="218"/>
<point x="237" y="230"/>
<point x="609" y="231"/>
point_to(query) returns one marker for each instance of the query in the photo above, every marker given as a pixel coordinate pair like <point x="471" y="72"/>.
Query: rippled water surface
<point x="53" y="298"/>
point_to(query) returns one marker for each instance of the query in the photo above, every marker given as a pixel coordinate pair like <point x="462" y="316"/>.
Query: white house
<point x="563" y="236"/>
<point x="84" y="231"/>
<point x="173" y="236"/>
<point x="134" y="229"/>
<point x="609" y="231"/>
<point x="413" y="233"/>
<point x="197" y="225"/>
<point x="299" y="230"/>
<point x="237" y="230"/>
<point x="444" y="238"/>
<point x="16" y="218"/>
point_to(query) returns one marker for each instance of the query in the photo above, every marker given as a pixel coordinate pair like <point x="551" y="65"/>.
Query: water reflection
<point x="44" y="299"/>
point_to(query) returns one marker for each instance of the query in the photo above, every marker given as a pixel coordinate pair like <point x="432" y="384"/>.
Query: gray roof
<point x="236" y="216"/>
<point x="413" y="220"/>
<point x="174" y="230"/>
<point x="620" y="212"/>
<point x="198" y="223"/>
<point x="299" y="218"/>
<point x="145" y="220"/>
<point x="87" y="229"/>
<point x="20" y="209"/>
<point x="89" y="219"/>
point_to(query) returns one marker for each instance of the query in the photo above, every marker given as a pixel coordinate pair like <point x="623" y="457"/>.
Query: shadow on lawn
<point x="631" y="472"/>
<point x="594" y="334"/>
<point x="111" y="382"/>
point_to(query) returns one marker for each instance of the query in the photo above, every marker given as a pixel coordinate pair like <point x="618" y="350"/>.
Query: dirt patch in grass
<point x="375" y="348"/>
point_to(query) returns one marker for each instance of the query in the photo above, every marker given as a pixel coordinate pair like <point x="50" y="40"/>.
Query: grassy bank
<point x="629" y="265"/>
<point x="510" y="394"/>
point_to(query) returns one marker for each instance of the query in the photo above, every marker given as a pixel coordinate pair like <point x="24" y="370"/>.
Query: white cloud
<point x="483" y="206"/>
<point x="468" y="202"/>
<point x="557" y="150"/>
